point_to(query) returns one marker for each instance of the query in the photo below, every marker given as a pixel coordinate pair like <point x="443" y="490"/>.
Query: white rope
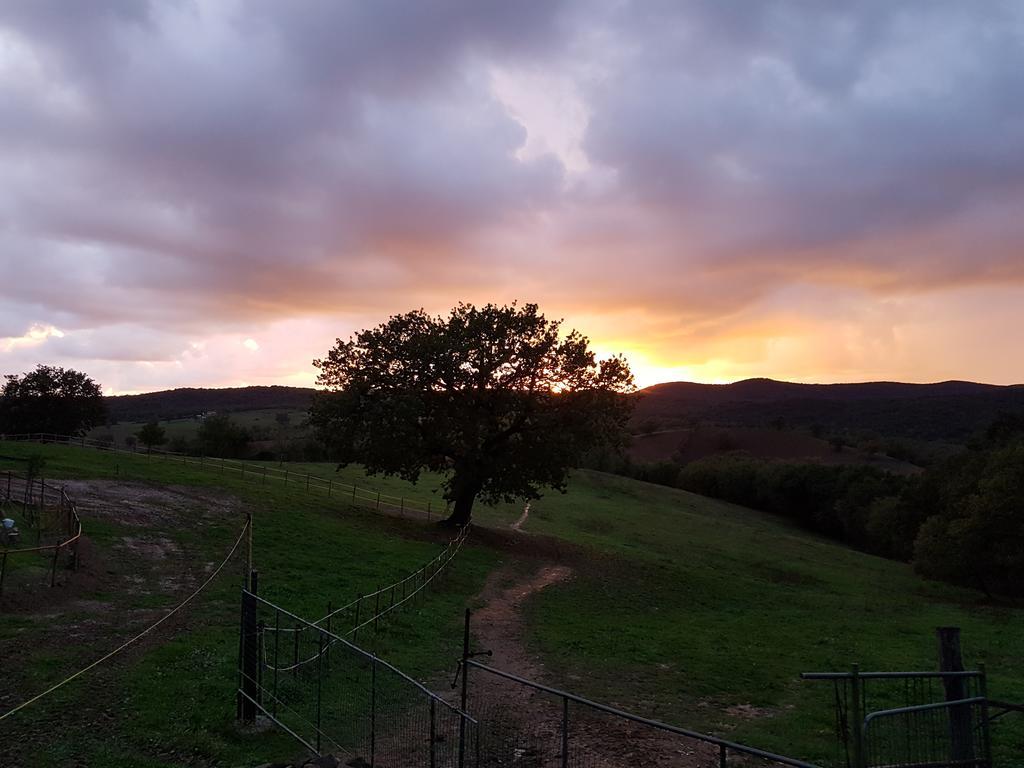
<point x="138" y="637"/>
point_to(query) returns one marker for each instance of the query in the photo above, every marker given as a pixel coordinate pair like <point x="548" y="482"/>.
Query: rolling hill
<point x="949" y="411"/>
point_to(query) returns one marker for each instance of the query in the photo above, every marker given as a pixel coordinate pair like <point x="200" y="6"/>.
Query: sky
<point x="210" y="193"/>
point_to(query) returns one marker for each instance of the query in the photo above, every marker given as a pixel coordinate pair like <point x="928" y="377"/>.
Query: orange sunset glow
<point x="210" y="195"/>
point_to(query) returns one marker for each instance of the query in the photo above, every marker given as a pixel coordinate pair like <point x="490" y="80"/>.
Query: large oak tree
<point x="496" y="398"/>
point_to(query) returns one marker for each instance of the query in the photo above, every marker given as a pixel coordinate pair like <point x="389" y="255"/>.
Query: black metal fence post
<point x="329" y="611"/>
<point x="260" y="628"/>
<point x="565" y="732"/>
<point x="319" y="683"/>
<point x="856" y="717"/>
<point x="986" y="734"/>
<point x="373" y="711"/>
<point x="433" y="733"/>
<point x="355" y="631"/>
<point x="250" y="660"/>
<point x="464" y="699"/>
<point x="277" y="651"/>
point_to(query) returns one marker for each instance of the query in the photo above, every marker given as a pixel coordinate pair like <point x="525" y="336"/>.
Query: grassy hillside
<point x="701" y="605"/>
<point x="686" y="445"/>
<point x="683" y="608"/>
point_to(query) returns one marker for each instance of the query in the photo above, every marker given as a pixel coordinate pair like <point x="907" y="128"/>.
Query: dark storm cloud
<point x="193" y="168"/>
<point x="241" y="154"/>
<point x="793" y="125"/>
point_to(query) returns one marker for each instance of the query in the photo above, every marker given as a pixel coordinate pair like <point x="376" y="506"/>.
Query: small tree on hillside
<point x="493" y="397"/>
<point x="152" y="434"/>
<point x="220" y="436"/>
<point x="52" y="400"/>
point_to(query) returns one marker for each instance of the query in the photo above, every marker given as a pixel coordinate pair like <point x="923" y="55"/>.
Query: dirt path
<point x="527" y="723"/>
<point x="499" y="625"/>
<point x="518" y="524"/>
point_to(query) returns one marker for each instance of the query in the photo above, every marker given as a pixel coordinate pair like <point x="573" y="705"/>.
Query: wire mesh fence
<point x="526" y="724"/>
<point x="948" y="733"/>
<point x="40" y="532"/>
<point x="349" y="701"/>
<point x="364" y="613"/>
<point x="304" y="482"/>
<point x="910" y="719"/>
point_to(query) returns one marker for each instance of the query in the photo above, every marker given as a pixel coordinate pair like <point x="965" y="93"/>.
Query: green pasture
<point x="682" y="608"/>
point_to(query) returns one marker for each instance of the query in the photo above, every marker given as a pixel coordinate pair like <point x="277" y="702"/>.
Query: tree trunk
<point x="462" y="510"/>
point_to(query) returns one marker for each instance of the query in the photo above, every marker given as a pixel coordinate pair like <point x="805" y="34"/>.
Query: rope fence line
<point x="63" y="511"/>
<point x="142" y="634"/>
<point x="257" y="473"/>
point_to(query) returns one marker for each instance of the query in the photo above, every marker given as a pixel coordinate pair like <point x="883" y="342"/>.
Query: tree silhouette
<point x="52" y="400"/>
<point x="495" y="398"/>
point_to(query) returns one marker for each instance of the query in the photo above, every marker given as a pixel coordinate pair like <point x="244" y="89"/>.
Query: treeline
<point x="188" y="402"/>
<point x="949" y="412"/>
<point x="219" y="436"/>
<point x="961" y="521"/>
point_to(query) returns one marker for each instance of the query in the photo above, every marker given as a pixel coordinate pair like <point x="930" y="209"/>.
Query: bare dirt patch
<point x="149" y="506"/>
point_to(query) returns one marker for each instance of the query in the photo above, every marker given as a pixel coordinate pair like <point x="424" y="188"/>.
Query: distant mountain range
<point x="186" y="402"/>
<point x="950" y="411"/>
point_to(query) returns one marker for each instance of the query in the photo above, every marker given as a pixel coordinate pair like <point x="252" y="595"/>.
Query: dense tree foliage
<point x="220" y="436"/>
<point x="152" y="434"/>
<point x="976" y="534"/>
<point x="59" y="401"/>
<point x="496" y="397"/>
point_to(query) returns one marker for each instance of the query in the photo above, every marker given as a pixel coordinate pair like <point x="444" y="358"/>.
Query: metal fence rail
<point x="257" y="473"/>
<point x="350" y="702"/>
<point x="53" y="525"/>
<point x="947" y="733"/>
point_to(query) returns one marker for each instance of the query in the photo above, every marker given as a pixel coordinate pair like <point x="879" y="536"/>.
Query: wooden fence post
<point x="856" y="717"/>
<point x="951" y="660"/>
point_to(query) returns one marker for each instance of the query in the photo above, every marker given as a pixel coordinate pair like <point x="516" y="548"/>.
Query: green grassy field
<point x="686" y="609"/>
